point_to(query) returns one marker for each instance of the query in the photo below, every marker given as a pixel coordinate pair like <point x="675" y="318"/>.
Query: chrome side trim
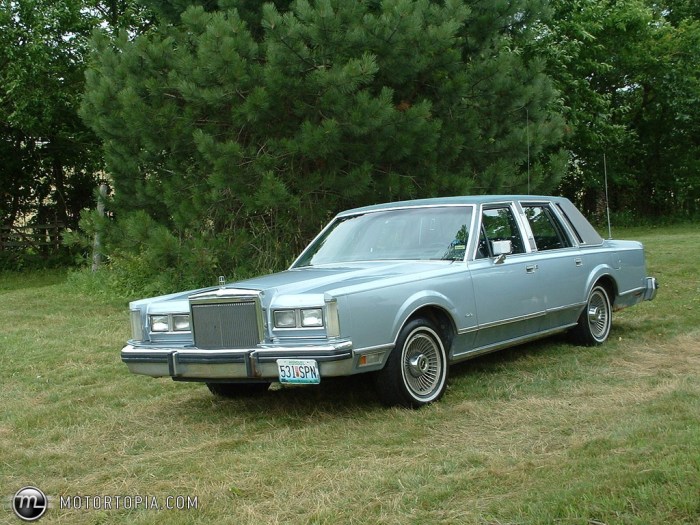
<point x="475" y="352"/>
<point x="521" y="318"/>
<point x="512" y="320"/>
<point x="376" y="348"/>
<point x="633" y="291"/>
<point x="572" y="306"/>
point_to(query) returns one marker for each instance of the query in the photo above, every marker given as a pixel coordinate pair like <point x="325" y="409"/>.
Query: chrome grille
<point x="231" y="325"/>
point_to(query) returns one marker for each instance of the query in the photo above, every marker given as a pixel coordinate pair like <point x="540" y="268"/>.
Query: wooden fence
<point x="45" y="238"/>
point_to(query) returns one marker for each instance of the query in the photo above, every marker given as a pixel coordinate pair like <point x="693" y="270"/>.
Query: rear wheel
<point x="233" y="390"/>
<point x="595" y="321"/>
<point x="416" y="372"/>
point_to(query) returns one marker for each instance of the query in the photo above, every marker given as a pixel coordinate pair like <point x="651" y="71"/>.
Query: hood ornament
<point x="222" y="281"/>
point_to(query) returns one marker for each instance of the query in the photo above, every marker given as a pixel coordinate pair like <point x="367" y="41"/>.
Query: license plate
<point x="298" y="371"/>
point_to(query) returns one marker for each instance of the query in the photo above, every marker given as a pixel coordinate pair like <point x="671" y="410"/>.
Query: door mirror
<point x="500" y="249"/>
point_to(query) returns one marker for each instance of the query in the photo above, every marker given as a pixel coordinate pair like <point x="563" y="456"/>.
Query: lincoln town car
<point x="400" y="291"/>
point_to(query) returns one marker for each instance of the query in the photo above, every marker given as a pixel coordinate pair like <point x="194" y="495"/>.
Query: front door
<point x="508" y="292"/>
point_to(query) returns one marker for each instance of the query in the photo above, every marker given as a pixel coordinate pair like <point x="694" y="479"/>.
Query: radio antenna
<point x="527" y="131"/>
<point x="607" y="201"/>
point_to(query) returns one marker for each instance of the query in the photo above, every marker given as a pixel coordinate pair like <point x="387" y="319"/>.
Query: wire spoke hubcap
<point x="422" y="364"/>
<point x="598" y="315"/>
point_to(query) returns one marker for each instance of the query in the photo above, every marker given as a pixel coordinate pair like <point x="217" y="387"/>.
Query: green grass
<point x="540" y="434"/>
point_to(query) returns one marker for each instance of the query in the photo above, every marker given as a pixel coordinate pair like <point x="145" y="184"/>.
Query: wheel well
<point x="441" y="319"/>
<point x="608" y="283"/>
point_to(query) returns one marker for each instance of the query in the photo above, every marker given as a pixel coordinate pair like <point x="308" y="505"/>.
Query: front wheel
<point x="595" y="321"/>
<point x="416" y="372"/>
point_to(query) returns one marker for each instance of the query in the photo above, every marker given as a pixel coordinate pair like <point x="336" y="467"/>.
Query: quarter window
<point x="571" y="224"/>
<point x="546" y="228"/>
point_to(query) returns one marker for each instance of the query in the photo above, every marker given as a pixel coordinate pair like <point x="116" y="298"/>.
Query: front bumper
<point x="337" y="359"/>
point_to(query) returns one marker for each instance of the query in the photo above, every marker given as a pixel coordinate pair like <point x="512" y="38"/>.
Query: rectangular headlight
<point x="181" y="322"/>
<point x="170" y="323"/>
<point x="159" y="323"/>
<point x="312" y="317"/>
<point x="285" y="318"/>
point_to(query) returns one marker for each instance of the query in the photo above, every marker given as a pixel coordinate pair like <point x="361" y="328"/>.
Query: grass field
<point x="540" y="434"/>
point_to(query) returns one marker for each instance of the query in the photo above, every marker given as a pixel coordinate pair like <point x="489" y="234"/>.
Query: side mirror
<point x="500" y="249"/>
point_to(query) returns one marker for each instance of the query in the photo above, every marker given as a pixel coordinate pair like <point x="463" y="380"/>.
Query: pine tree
<point x="243" y="127"/>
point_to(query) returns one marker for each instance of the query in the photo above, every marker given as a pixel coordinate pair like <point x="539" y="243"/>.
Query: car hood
<point x="312" y="284"/>
<point x="340" y="280"/>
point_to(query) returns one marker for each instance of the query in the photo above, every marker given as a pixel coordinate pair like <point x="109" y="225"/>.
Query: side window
<point x="498" y="224"/>
<point x="571" y="224"/>
<point x="548" y="231"/>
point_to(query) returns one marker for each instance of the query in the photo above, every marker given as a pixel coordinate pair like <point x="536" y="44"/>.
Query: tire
<point x="594" y="324"/>
<point x="416" y="372"/>
<point x="234" y="390"/>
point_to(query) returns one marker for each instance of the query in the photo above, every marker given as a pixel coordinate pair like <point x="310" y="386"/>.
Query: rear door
<point x="560" y="263"/>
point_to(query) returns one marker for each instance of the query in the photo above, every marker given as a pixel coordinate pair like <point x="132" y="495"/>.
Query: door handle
<point x="532" y="268"/>
<point x="578" y="261"/>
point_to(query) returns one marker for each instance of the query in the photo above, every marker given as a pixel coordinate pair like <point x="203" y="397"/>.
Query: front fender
<point x="423" y="299"/>
<point x="377" y="314"/>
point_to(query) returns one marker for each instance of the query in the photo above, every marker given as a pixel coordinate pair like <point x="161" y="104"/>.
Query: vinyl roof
<point x="441" y="201"/>
<point x="586" y="234"/>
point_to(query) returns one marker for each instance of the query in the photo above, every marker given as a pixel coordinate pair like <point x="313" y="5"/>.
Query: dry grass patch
<point x="545" y="433"/>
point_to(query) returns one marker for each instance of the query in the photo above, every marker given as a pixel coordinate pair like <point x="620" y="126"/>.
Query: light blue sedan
<point x="400" y="290"/>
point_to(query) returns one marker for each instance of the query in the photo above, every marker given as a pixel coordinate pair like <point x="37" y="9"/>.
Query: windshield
<point x="430" y="233"/>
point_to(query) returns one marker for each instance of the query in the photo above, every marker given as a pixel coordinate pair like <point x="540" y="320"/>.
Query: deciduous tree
<point x="627" y="72"/>
<point x="49" y="155"/>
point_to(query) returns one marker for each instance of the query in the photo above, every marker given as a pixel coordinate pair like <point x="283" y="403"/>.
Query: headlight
<point x="181" y="323"/>
<point x="170" y="323"/>
<point x="285" y="319"/>
<point x="300" y="318"/>
<point x="312" y="318"/>
<point x="159" y="323"/>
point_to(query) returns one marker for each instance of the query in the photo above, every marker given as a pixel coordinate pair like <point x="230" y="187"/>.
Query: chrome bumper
<point x="259" y="363"/>
<point x="652" y="285"/>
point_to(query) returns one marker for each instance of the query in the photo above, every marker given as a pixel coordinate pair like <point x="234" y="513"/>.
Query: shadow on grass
<point x="340" y="398"/>
<point x="552" y="359"/>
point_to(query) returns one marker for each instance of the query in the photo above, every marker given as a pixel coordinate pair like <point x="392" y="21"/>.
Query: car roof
<point x="585" y="233"/>
<point x="451" y="201"/>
